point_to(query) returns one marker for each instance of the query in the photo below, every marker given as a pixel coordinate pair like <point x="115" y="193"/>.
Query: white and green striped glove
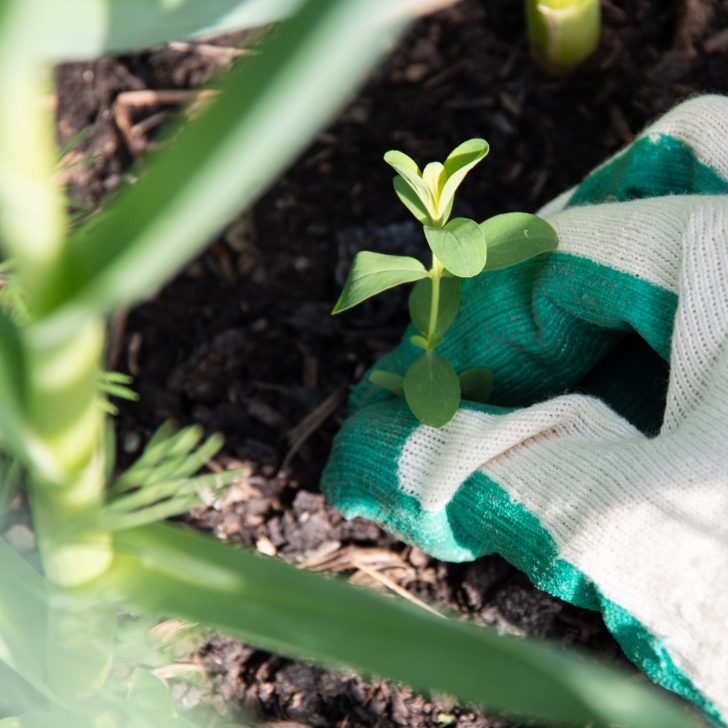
<point x="601" y="469"/>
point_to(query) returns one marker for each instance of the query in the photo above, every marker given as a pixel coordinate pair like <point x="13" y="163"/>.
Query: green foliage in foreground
<point x="62" y="660"/>
<point x="461" y="248"/>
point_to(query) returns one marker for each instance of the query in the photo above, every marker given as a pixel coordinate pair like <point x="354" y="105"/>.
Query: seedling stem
<point x="435" y="275"/>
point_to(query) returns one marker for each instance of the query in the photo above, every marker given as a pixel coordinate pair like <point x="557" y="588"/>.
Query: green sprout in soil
<point x="461" y="248"/>
<point x="563" y="32"/>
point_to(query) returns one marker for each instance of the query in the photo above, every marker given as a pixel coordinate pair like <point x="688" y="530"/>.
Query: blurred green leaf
<point x="149" y="703"/>
<point x="117" y="377"/>
<point x="169" y="455"/>
<point x="476" y="384"/>
<point x="432" y="389"/>
<point x="420" y="300"/>
<point x="13" y="297"/>
<point x="17" y="695"/>
<point x="563" y="33"/>
<point x="115" y="384"/>
<point x="15" y="430"/>
<point x="160" y="484"/>
<point x="390" y="381"/>
<point x="119" y="391"/>
<point x="32" y="214"/>
<point x="459" y="245"/>
<point x="516" y="236"/>
<point x="23" y="618"/>
<point x="164" y="500"/>
<point x="12" y="478"/>
<point x="77" y="29"/>
<point x="224" y="160"/>
<point x="13" y="365"/>
<point x="372" y="273"/>
<point x="58" y="718"/>
<point x="276" y="606"/>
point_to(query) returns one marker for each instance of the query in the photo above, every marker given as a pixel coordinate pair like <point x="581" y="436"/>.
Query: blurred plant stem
<point x="563" y="32"/>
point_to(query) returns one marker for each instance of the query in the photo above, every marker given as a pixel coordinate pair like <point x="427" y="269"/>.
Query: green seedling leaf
<point x="420" y="301"/>
<point x="444" y="211"/>
<point x="402" y="163"/>
<point x="434" y="176"/>
<point x="516" y="236"/>
<point x="410" y="173"/>
<point x="408" y="170"/>
<point x="432" y="389"/>
<point x="390" y="381"/>
<point x="476" y="384"/>
<point x="410" y="199"/>
<point x="372" y="273"/>
<point x="420" y="341"/>
<point x="460" y="246"/>
<point x="459" y="162"/>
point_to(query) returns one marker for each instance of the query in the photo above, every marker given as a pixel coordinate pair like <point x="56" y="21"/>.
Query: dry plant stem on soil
<point x="128" y="100"/>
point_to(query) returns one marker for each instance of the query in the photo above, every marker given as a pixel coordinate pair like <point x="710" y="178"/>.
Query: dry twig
<point x="299" y="435"/>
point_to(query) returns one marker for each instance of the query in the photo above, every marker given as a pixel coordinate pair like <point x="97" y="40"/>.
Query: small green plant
<point x="461" y="248"/>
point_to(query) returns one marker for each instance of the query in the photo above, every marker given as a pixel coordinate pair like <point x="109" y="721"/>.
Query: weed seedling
<point x="461" y="248"/>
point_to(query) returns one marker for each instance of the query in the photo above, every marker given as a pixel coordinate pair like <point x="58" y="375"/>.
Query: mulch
<point x="242" y="340"/>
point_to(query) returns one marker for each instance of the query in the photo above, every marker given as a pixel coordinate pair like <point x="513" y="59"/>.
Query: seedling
<point x="461" y="248"/>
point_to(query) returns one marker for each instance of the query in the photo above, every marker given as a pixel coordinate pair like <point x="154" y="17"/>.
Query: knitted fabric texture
<point x="601" y="468"/>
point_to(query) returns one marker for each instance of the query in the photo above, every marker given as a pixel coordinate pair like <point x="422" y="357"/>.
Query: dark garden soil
<point x="242" y="341"/>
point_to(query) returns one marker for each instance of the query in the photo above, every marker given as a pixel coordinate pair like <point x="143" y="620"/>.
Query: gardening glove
<point x="601" y="467"/>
